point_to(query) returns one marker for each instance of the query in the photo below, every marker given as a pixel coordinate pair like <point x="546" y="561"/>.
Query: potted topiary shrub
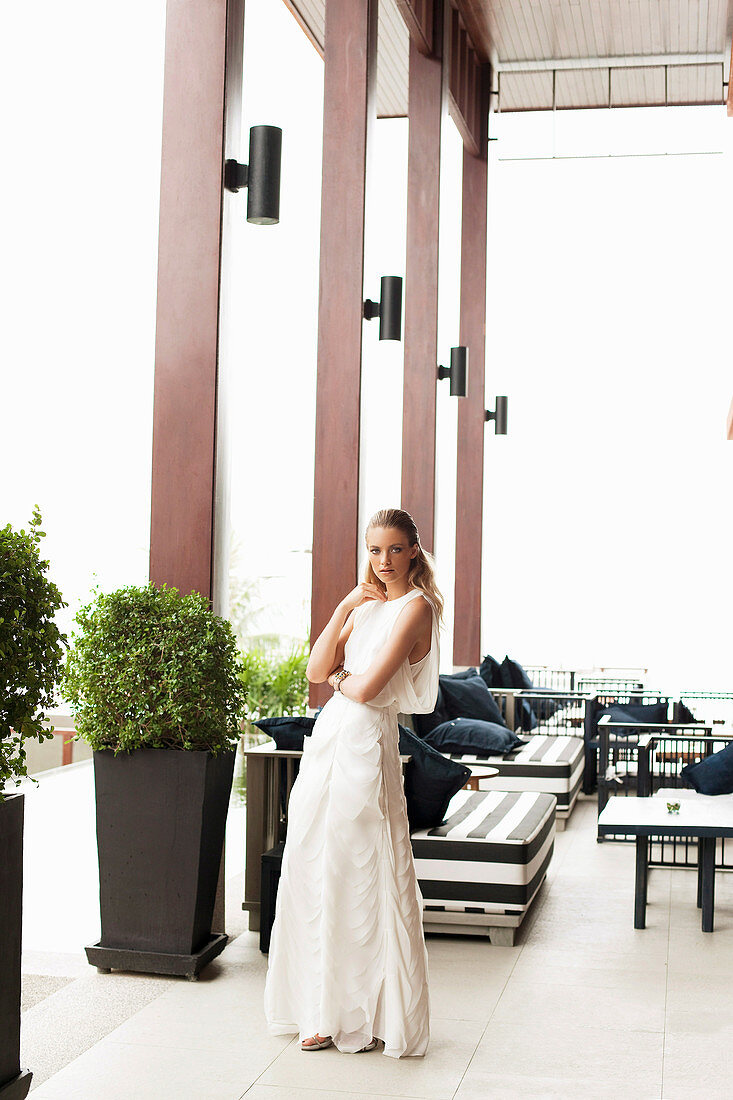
<point x="31" y="652"/>
<point x="153" y="682"/>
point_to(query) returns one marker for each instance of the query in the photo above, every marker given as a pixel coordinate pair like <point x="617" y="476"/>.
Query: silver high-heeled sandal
<point x="369" y="1046"/>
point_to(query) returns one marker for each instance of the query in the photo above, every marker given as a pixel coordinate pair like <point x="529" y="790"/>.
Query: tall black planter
<point x="161" y="819"/>
<point x="14" y="1083"/>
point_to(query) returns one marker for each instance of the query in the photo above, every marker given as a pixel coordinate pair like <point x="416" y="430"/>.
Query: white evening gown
<point x="347" y="952"/>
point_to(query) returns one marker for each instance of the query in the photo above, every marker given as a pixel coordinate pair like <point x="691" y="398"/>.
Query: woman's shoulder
<point x="420" y="605"/>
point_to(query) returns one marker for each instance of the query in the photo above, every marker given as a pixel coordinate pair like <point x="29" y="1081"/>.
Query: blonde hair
<point x="422" y="569"/>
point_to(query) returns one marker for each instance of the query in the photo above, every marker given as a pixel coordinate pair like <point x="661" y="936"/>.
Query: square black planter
<point x="18" y="1088"/>
<point x="14" y="1083"/>
<point x="161" y="820"/>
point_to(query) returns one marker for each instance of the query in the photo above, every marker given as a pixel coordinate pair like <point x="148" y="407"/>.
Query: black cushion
<point x="685" y="715"/>
<point x="490" y="672"/>
<point x="424" y="723"/>
<point x="513" y="675"/>
<point x="287" y="733"/>
<point x="633" y="712"/>
<point x="431" y="780"/>
<point x="469" y="699"/>
<point x="713" y="775"/>
<point x="472" y="737"/>
<point x="464" y="674"/>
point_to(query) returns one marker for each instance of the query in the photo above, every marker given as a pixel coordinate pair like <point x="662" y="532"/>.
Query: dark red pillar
<point x="201" y="104"/>
<point x="471" y="423"/>
<point x="350" y="57"/>
<point x="421" y="284"/>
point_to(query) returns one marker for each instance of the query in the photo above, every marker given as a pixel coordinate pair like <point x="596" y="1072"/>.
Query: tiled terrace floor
<point x="582" y="1006"/>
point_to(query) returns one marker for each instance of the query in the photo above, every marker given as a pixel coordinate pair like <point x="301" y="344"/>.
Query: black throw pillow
<point x="287" y="733"/>
<point x="464" y="674"/>
<point x="629" y="712"/>
<point x="472" y="737"/>
<point x="490" y="672"/>
<point x="513" y="675"/>
<point x="713" y="774"/>
<point x="431" y="780"/>
<point x="424" y="723"/>
<point x="685" y="715"/>
<point x="469" y="699"/>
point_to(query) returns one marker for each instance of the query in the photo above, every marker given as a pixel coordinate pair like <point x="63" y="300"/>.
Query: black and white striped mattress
<point x="490" y="855"/>
<point x="550" y="764"/>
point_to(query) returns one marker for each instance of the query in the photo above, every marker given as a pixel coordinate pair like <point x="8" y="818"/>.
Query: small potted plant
<point x="153" y="680"/>
<point x="31" y="652"/>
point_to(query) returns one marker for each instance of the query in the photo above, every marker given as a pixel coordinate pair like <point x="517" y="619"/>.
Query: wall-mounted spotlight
<point x="261" y="176"/>
<point x="499" y="416"/>
<point x="457" y="371"/>
<point x="388" y="309"/>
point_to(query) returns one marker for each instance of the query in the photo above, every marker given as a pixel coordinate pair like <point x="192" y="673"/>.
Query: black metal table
<point x="704" y="817"/>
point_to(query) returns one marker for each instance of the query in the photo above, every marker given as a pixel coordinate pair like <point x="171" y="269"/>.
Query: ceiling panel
<point x="392" y="50"/>
<point x="514" y="30"/>
<point x="526" y="91"/>
<point x="695" y="84"/>
<point x="546" y="35"/>
<point x="640" y="86"/>
<point x="581" y="88"/>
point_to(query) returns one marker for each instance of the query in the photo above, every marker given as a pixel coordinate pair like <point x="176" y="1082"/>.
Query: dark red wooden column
<point x="471" y="423"/>
<point x="350" y="57"/>
<point x="421" y="282"/>
<point x="202" y="86"/>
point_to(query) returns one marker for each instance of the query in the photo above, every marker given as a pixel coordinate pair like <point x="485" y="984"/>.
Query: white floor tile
<point x="120" y="1071"/>
<point x="435" y="1077"/>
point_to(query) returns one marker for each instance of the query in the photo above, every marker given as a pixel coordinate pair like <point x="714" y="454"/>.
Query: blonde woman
<point x="348" y="965"/>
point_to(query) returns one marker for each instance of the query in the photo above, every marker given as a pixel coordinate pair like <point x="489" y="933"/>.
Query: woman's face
<point x="390" y="553"/>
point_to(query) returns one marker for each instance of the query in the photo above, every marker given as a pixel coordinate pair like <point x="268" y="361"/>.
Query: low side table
<point x="706" y="817"/>
<point x="477" y="774"/>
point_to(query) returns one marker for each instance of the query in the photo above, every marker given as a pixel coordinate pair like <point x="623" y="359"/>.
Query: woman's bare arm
<point x="327" y="653"/>
<point x="413" y="624"/>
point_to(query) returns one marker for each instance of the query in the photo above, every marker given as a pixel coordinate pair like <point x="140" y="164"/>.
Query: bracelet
<point x="339" y="678"/>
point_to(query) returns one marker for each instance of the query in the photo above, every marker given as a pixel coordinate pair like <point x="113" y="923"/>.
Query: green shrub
<point x="31" y="646"/>
<point x="275" y="684"/>
<point x="151" y="668"/>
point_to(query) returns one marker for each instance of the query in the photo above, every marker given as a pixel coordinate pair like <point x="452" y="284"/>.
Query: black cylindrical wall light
<point x="388" y="309"/>
<point x="265" y="155"/>
<point x="261" y="176"/>
<point x="499" y="416"/>
<point x="457" y="371"/>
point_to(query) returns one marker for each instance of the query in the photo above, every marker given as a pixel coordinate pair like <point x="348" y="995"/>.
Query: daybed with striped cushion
<point x="480" y="870"/>
<point x="553" y="764"/>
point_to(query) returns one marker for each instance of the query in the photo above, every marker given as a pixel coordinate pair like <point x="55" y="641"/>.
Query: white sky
<point x="607" y="508"/>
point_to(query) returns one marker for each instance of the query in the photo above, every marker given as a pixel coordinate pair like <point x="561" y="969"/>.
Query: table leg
<point x="699" y="872"/>
<point x="642" y="875"/>
<point x="708" y="882"/>
<point x="255" y="834"/>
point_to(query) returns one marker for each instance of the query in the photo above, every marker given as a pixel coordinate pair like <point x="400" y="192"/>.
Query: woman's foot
<point x="316" y="1042"/>
<point x="369" y="1046"/>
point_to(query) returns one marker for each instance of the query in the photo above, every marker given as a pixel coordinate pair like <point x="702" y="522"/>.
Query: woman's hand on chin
<point x="363" y="593"/>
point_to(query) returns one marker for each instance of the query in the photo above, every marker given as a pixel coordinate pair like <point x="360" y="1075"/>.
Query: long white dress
<point x="347" y="951"/>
